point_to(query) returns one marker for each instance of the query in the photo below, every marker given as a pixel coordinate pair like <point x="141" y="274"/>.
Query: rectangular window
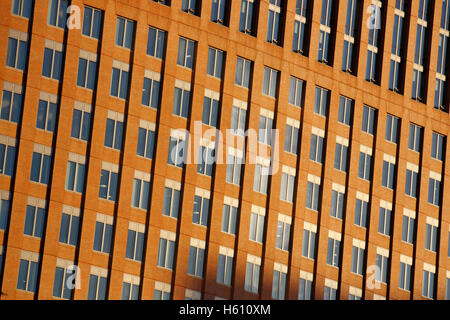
<point x="279" y="281"/>
<point x="125" y="32"/>
<point x="52" y="65"/>
<point x="292" y="136"/>
<point x="17" y="53"/>
<point x="22" y="8"/>
<point x="70" y="225"/>
<point x="211" y="106"/>
<point x="357" y="257"/>
<point x="201" y="207"/>
<point x="114" y="130"/>
<point x="238" y="117"/>
<point x="156" y="42"/>
<point x="415" y="137"/>
<point x="392" y="128"/>
<point x="334" y="245"/>
<point x="135" y="241"/>
<point x="321" y="101"/>
<point x="119" y="80"/>
<point x="41" y="164"/>
<point x="196" y="258"/>
<point x="361" y="210"/>
<point x="438" y="146"/>
<point x="64" y="273"/>
<point x="313" y="193"/>
<point x="11" y="104"/>
<point x="365" y="163"/>
<point x="252" y="273"/>
<point x="388" y="176"/>
<point x="296" y="88"/>
<point x="324" y="52"/>
<point x="28" y="271"/>
<point x="257" y="218"/>
<point x="225" y="266"/>
<point x="190" y="6"/>
<point x="235" y="161"/>
<point x="216" y="60"/>
<point x="382" y="262"/>
<point x="265" y="134"/>
<point x="57" y="13"/>
<point x="7" y="155"/>
<point x="75" y="173"/>
<point x="92" y="22"/>
<point x="4" y="211"/>
<point x="171" y="203"/>
<point x="206" y="159"/>
<point x="404" y="281"/>
<point x="274" y="23"/>
<point x="397" y="46"/>
<point x="218" y="11"/>
<point x="305" y="285"/>
<point x="229" y="215"/>
<point x="270" y="82"/>
<point x="162" y="290"/>
<point x="412" y="180"/>
<point x="287" y="184"/>
<point x="130" y="287"/>
<point x="299" y="42"/>
<point x="46" y="113"/>
<point x="384" y="221"/>
<point x="176" y="156"/>
<point x="103" y="233"/>
<point x="151" y="90"/>
<point x="186" y="51"/>
<point x="330" y="290"/>
<point x="166" y="249"/>
<point x="419" y="75"/>
<point x="141" y="190"/>
<point x="369" y="120"/>
<point x="87" y="70"/>
<point x="340" y="154"/>
<point x="309" y="240"/>
<point x="317" y="145"/>
<point x="283" y="232"/>
<point x="337" y="201"/>
<point x="81" y="121"/>
<point x="146" y="139"/>
<point x="372" y="72"/>
<point x="109" y="178"/>
<point x="431" y="234"/>
<point x="98" y="280"/>
<point x="182" y="99"/>
<point x="246" y="17"/>
<point x="428" y="285"/>
<point x="408" y="226"/>
<point x="34" y="220"/>
<point x="440" y="95"/>
<point x="261" y="178"/>
<point x="243" y="72"/>
<point x="434" y="190"/>
<point x="348" y="62"/>
<point x="345" y="110"/>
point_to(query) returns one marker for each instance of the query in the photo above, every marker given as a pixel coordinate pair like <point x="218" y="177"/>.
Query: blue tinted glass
<point x="74" y="230"/>
<point x="51" y="118"/>
<point x="86" y="126"/>
<point x="104" y="181"/>
<point x="98" y="236"/>
<point x="82" y="68"/>
<point x="23" y="272"/>
<point x="87" y="20"/>
<point x="57" y="67"/>
<point x="29" y="220"/>
<point x="124" y="85"/>
<point x="155" y="94"/>
<point x="64" y="229"/>
<point x="97" y="25"/>
<point x="58" y="282"/>
<point x="92" y="75"/>
<point x="47" y="65"/>
<point x="53" y="12"/>
<point x="118" y="135"/>
<point x="45" y="176"/>
<point x="120" y="30"/>
<point x="41" y="115"/>
<point x="76" y="123"/>
<point x="129" y="36"/>
<point x="22" y="58"/>
<point x="35" y="167"/>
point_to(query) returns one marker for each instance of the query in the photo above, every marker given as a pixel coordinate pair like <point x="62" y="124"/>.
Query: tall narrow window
<point x="216" y="59"/>
<point x="235" y="161"/>
<point x="166" y="249"/>
<point x="46" y="113"/>
<point x="305" y="285"/>
<point x="252" y="272"/>
<point x="201" y="207"/>
<point x="292" y="137"/>
<point x="438" y="146"/>
<point x="92" y="22"/>
<point x="63" y="274"/>
<point x="324" y="51"/>
<point x="103" y="233"/>
<point x="340" y="154"/>
<point x="392" y="128"/>
<point x="52" y="65"/>
<point x="11" y="103"/>
<point x="299" y="41"/>
<point x="98" y="279"/>
<point x="408" y="226"/>
<point x="190" y="6"/>
<point x="287" y="184"/>
<point x="257" y="218"/>
<point x="28" y="271"/>
<point x="35" y="219"/>
<point x="211" y="106"/>
<point x="361" y="209"/>
<point x="419" y="73"/>
<point x="146" y="139"/>
<point x="283" y="232"/>
<point x="372" y="64"/>
<point x="171" y="203"/>
<point x="108" y="181"/>
<point x="229" y="215"/>
<point x="219" y="11"/>
<point x="415" y="137"/>
<point x="4" y="211"/>
<point x="120" y="79"/>
<point x="279" y="281"/>
<point x="246" y="18"/>
<point x="70" y="225"/>
<point x="334" y="244"/>
<point x="412" y="177"/>
<point x="365" y="163"/>
<point x="141" y="190"/>
<point x="388" y="177"/>
<point x="114" y="130"/>
<point x="321" y="101"/>
<point x="151" y="90"/>
<point x="196" y="258"/>
<point x="75" y="174"/>
<point x="243" y="72"/>
<point x="384" y="221"/>
<point x="57" y="13"/>
<point x="125" y="32"/>
<point x="135" y="241"/>
<point x="181" y="99"/>
<point x="404" y="281"/>
<point x="87" y="70"/>
<point x="397" y="47"/>
<point x="313" y="192"/>
<point x="369" y="120"/>
<point x="17" y="52"/>
<point x="22" y="8"/>
<point x="156" y="42"/>
<point x="348" y="60"/>
<point x="337" y="200"/>
<point x="357" y="265"/>
<point x="41" y="164"/>
<point x="177" y="154"/>
<point x="296" y="87"/>
<point x="265" y="132"/>
<point x="309" y="240"/>
<point x="434" y="189"/>
<point x="345" y="110"/>
<point x="431" y="234"/>
<point x="186" y="51"/>
<point x="7" y="155"/>
<point x="274" y="23"/>
<point x="225" y="266"/>
<point x="441" y="87"/>
<point x="270" y="82"/>
<point x="81" y="121"/>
